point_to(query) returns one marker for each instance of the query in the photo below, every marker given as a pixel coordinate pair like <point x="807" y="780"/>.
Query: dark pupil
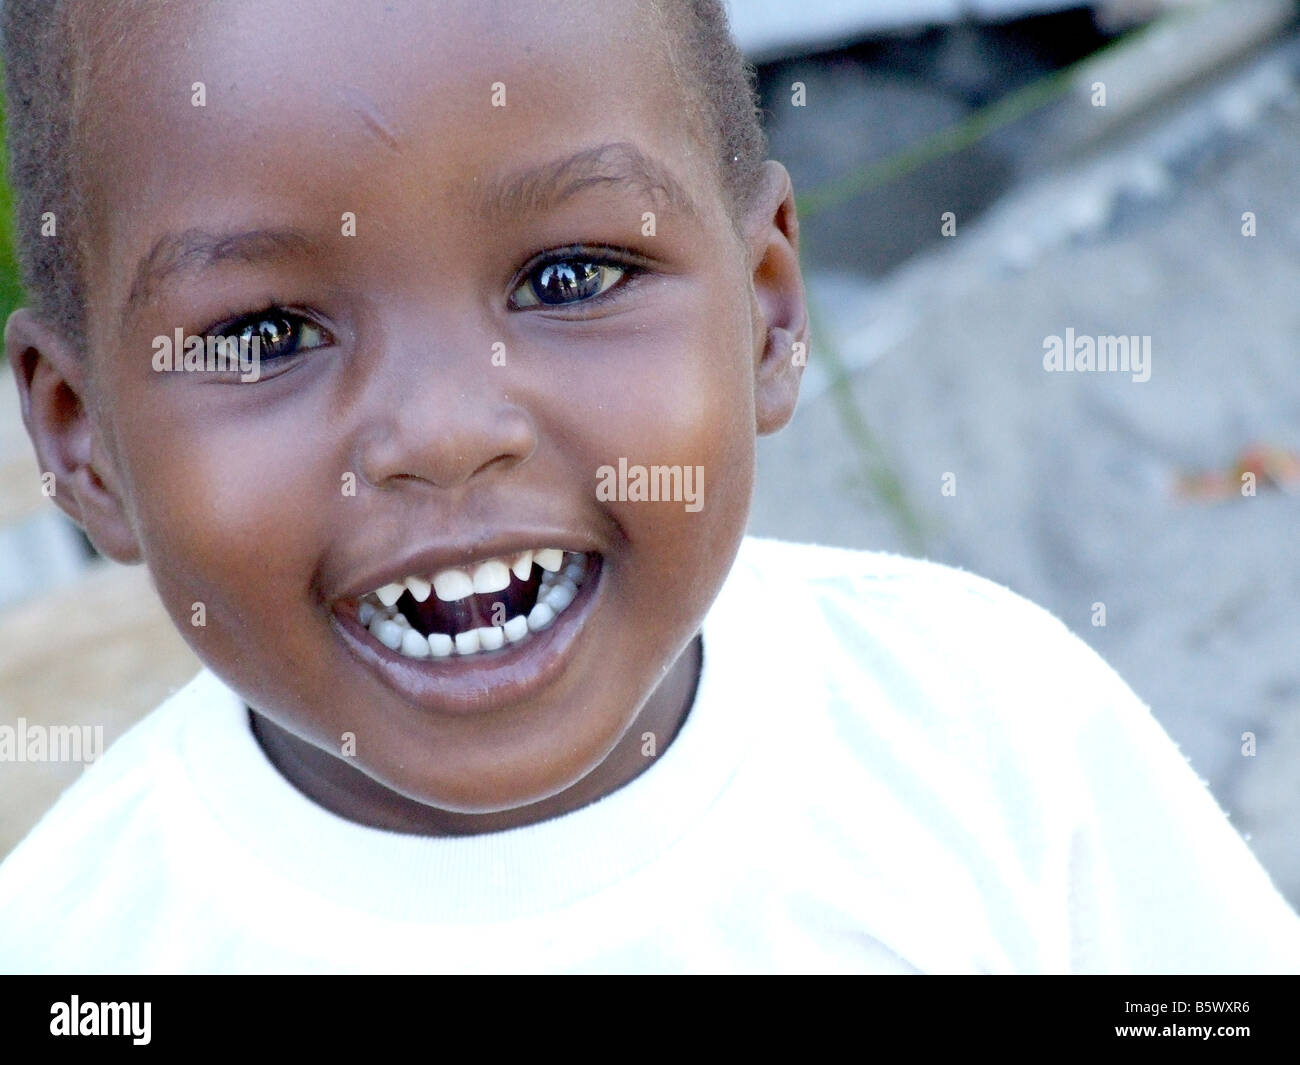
<point x="567" y="281"/>
<point x="273" y="333"/>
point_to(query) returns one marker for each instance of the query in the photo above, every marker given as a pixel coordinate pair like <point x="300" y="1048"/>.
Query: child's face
<point x="403" y="438"/>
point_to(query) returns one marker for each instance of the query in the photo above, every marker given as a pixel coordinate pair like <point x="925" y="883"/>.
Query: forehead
<point x="433" y="101"/>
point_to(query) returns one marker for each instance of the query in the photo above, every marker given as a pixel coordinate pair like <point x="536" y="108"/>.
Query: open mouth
<point x="476" y="609"/>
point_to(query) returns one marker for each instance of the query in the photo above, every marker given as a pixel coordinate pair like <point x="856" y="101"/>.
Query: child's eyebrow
<point x="531" y="190"/>
<point x="198" y="249"/>
<point x="537" y="189"/>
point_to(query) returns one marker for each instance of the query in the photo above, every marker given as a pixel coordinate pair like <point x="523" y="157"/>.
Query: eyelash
<point x="233" y="326"/>
<point x="632" y="265"/>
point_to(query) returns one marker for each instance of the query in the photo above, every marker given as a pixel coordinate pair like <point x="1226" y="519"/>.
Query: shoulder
<point x="905" y="663"/>
<point x="996" y="734"/>
<point x="882" y="575"/>
<point x="929" y="615"/>
<point x="59" y="867"/>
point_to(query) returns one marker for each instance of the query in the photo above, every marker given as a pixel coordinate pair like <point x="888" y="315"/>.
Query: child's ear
<point x="52" y="389"/>
<point x="781" y="325"/>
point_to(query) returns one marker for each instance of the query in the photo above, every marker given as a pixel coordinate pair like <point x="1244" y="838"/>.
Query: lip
<point x="487" y="680"/>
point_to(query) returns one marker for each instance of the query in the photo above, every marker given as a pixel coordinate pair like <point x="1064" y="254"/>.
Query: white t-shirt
<point x="890" y="766"/>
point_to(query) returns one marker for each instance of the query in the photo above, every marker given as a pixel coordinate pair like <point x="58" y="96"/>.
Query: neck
<point x="343" y="789"/>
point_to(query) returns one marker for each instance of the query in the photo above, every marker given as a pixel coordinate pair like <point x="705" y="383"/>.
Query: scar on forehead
<point x="373" y="119"/>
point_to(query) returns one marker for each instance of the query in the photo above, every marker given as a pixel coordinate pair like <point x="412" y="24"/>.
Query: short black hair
<point x="45" y="70"/>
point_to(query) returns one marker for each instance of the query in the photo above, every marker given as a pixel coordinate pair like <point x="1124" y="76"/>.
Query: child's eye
<point x="279" y="333"/>
<point x="566" y="279"/>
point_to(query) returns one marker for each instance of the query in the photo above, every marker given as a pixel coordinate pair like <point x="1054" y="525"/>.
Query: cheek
<point x="229" y="508"/>
<point x="670" y="385"/>
<point x="699" y="407"/>
<point x="676" y="392"/>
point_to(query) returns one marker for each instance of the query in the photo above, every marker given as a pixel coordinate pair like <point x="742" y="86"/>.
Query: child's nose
<point x="442" y="430"/>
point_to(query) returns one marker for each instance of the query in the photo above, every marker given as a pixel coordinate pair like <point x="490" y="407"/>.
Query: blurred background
<point x="973" y="177"/>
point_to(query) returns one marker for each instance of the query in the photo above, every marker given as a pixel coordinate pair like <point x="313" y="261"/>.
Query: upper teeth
<point x="390" y="593"/>
<point x="452" y="584"/>
<point x="550" y="559"/>
<point x="490" y="575"/>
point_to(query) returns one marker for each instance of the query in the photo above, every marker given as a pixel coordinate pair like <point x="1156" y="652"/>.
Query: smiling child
<point x="494" y="680"/>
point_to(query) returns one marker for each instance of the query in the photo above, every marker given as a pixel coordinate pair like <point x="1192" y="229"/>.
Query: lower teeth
<point x="556" y="594"/>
